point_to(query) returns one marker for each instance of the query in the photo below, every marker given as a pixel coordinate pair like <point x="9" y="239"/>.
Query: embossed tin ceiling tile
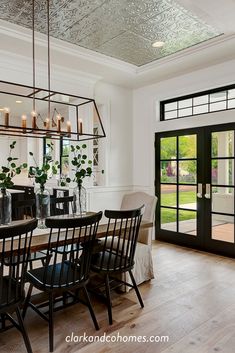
<point x="72" y="12"/>
<point x="135" y="12"/>
<point x="117" y="16"/>
<point x="131" y="48"/>
<point x="174" y="21"/>
<point x="11" y="10"/>
<point x="103" y="22"/>
<point x="97" y="38"/>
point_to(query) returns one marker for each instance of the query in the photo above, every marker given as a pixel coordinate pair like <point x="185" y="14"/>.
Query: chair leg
<point x="3" y="322"/>
<point x="108" y="297"/>
<point x="51" y="323"/>
<point x="91" y="308"/>
<point x="27" y="299"/>
<point x="23" y="331"/>
<point x="136" y="289"/>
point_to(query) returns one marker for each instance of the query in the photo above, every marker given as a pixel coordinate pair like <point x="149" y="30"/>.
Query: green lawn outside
<point x="184" y="197"/>
<point x="169" y="215"/>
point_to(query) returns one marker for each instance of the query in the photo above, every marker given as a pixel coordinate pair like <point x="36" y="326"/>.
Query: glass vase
<point x="5" y="207"/>
<point x="42" y="206"/>
<point x="79" y="200"/>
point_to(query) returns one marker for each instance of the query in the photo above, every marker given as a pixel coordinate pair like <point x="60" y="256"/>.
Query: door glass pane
<point x="188" y="222"/>
<point x="168" y="195"/>
<point x="168" y="219"/>
<point x="187" y="146"/>
<point x="188" y="172"/>
<point x="222" y="143"/>
<point x="223" y="200"/>
<point x="222" y="228"/>
<point x="188" y="197"/>
<point x="222" y="171"/>
<point x="168" y="148"/>
<point x="168" y="171"/>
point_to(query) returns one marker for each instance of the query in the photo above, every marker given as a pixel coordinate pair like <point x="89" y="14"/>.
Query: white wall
<point x="146" y="117"/>
<point x="117" y="102"/>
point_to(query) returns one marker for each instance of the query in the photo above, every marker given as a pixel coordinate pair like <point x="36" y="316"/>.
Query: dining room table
<point x="40" y="236"/>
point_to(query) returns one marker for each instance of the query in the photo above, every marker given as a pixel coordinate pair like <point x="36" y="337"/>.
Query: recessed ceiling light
<point x="158" y="44"/>
<point x="18" y="102"/>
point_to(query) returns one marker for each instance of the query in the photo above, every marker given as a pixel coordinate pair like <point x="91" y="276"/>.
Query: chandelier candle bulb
<point x="47" y="123"/>
<point x="58" y="123"/>
<point x="34" y="117"/>
<point x="24" y="123"/>
<point x="6" y="117"/>
<point x="80" y="126"/>
<point x="69" y="128"/>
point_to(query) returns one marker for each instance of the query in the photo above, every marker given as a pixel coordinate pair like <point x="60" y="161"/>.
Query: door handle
<point x="199" y="191"/>
<point x="208" y="191"/>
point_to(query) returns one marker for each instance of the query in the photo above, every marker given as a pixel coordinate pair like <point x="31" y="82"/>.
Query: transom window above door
<point x="205" y="102"/>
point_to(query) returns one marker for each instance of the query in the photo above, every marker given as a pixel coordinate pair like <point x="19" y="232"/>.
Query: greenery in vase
<point x="82" y="166"/>
<point x="42" y="173"/>
<point x="10" y="170"/>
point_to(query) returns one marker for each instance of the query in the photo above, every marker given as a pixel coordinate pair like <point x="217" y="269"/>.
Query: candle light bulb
<point x="6" y="116"/>
<point x="69" y="128"/>
<point x="34" y="118"/>
<point x="58" y="122"/>
<point x="47" y="123"/>
<point x="24" y="123"/>
<point x="80" y="126"/>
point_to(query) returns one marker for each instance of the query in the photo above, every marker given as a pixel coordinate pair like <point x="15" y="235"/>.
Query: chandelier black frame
<point x="40" y="94"/>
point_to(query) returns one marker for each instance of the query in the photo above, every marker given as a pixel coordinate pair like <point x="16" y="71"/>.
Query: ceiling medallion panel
<point x="122" y="29"/>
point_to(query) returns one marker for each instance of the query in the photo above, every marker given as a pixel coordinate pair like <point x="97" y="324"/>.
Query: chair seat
<point x="143" y="269"/>
<point x="63" y="275"/>
<point x="107" y="262"/>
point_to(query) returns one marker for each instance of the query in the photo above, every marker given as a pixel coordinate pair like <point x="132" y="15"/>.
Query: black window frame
<point x="192" y="106"/>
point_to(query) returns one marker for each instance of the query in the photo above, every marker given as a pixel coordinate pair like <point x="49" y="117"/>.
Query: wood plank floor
<point x="192" y="300"/>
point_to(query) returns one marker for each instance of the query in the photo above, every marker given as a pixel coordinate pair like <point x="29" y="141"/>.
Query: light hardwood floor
<point x="192" y="300"/>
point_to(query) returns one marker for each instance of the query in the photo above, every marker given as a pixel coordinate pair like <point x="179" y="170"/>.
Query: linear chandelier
<point x="30" y="111"/>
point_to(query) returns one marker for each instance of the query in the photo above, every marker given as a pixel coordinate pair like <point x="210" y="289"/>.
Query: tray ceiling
<point x="122" y="29"/>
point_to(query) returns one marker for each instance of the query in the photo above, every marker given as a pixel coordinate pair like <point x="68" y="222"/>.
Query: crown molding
<point x="184" y="53"/>
<point x="25" y="34"/>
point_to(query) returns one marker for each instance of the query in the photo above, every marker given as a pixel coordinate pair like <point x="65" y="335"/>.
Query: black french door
<point x="195" y="181"/>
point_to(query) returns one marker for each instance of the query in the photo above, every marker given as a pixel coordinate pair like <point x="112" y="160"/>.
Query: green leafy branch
<point x="8" y="172"/>
<point x="42" y="173"/>
<point x="82" y="166"/>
